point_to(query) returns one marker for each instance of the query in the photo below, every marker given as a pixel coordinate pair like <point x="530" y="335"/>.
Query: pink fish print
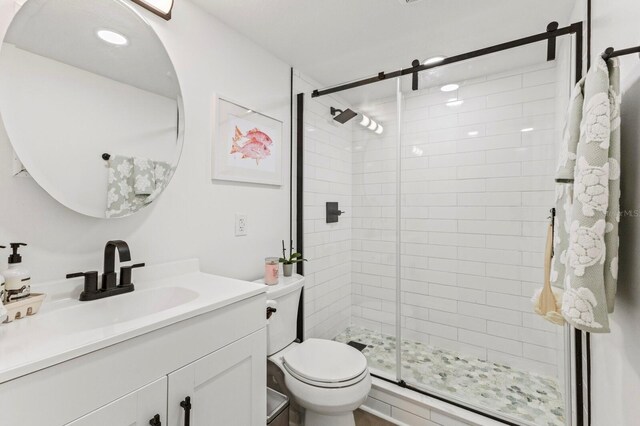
<point x="259" y="136"/>
<point x="254" y="144"/>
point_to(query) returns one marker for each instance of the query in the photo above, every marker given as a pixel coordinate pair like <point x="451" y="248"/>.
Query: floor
<point x="364" y="418"/>
<point x="530" y="398"/>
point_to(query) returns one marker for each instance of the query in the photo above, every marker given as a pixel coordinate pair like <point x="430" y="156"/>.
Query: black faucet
<point x="109" y="277"/>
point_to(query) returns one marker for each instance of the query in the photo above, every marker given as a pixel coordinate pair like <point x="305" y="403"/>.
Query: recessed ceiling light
<point x="473" y="133"/>
<point x="449" y="87"/>
<point x="112" y="37"/>
<point x="434" y="60"/>
<point x="454" y="102"/>
<point x="365" y="121"/>
<point x="527" y="129"/>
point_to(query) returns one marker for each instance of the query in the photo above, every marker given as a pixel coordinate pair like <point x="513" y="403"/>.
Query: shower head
<point x="343" y="116"/>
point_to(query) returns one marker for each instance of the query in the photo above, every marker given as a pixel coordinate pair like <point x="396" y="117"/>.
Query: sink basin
<point x="66" y="328"/>
<point x="115" y="310"/>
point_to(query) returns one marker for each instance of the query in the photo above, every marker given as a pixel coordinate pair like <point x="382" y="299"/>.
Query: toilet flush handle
<point x="271" y="307"/>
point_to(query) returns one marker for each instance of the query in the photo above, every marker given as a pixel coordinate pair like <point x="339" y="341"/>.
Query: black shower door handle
<point x="186" y="404"/>
<point x="155" y="420"/>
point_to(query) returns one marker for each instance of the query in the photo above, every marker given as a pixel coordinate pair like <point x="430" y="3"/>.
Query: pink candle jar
<point x="271" y="270"/>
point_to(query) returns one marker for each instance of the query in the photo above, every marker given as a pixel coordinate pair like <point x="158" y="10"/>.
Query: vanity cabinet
<point x="135" y="409"/>
<point x="223" y="388"/>
<point x="218" y="358"/>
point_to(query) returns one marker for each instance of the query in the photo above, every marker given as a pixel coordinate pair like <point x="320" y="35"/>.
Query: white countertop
<point x="66" y="328"/>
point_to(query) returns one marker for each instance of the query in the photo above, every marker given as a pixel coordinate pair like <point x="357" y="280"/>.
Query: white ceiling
<point x="335" y="41"/>
<point x="65" y="30"/>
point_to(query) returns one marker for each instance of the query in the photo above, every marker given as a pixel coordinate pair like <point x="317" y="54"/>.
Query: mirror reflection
<point x="91" y="103"/>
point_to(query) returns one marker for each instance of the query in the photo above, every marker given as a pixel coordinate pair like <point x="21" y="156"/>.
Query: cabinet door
<point x="136" y="408"/>
<point x="227" y="387"/>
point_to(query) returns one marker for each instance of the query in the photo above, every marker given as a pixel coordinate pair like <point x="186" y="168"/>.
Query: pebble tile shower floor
<point x="530" y="398"/>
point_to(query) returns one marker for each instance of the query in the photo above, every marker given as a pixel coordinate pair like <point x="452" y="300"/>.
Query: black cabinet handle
<point x="155" y="421"/>
<point x="186" y="404"/>
<point x="271" y="311"/>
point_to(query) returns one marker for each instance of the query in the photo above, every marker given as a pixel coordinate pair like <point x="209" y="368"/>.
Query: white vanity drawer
<point x="134" y="409"/>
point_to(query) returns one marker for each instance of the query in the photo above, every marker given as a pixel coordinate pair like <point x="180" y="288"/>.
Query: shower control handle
<point x="333" y="212"/>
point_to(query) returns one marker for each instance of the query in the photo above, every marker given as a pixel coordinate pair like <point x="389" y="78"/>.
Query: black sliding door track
<point x="553" y="31"/>
<point x="405" y="385"/>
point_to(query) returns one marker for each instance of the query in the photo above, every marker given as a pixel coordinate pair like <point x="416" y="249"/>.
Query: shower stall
<point x="446" y="194"/>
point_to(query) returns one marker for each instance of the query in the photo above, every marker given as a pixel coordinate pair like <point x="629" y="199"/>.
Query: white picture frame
<point x="246" y="145"/>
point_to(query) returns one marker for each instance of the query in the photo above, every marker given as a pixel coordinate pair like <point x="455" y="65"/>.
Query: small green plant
<point x="294" y="258"/>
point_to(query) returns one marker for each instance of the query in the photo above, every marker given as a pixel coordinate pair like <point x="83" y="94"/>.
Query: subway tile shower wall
<point x="327" y="177"/>
<point x="476" y="193"/>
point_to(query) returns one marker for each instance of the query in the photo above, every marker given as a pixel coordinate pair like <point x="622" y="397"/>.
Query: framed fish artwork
<point x="246" y="145"/>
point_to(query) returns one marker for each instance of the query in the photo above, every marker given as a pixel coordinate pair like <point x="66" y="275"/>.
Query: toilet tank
<point x="282" y="326"/>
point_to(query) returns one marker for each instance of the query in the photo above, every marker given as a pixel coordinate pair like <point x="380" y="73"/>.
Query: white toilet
<point x="328" y="379"/>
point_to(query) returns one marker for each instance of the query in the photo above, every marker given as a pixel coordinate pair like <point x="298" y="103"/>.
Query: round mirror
<point x="91" y="103"/>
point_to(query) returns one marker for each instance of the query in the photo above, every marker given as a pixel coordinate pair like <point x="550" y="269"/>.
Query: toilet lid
<point x="325" y="361"/>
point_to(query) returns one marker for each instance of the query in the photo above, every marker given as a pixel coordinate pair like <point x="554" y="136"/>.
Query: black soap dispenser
<point x="17" y="277"/>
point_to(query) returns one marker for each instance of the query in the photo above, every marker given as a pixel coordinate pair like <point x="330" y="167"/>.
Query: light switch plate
<point x="241" y="225"/>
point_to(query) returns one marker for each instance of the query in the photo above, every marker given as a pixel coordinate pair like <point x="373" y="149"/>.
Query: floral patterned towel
<point x="127" y="190"/>
<point x="588" y="201"/>
<point x="144" y="176"/>
<point x="162" y="173"/>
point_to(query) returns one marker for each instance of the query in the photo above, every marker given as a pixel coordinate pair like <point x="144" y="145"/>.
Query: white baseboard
<point x="382" y="416"/>
<point x="387" y="400"/>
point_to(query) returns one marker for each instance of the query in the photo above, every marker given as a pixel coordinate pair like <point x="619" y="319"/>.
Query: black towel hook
<point x="106" y="156"/>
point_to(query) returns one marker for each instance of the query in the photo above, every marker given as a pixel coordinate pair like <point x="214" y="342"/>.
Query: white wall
<point x="616" y="356"/>
<point x="80" y="115"/>
<point x="194" y="217"/>
<point x="327" y="177"/>
<point x="474" y="218"/>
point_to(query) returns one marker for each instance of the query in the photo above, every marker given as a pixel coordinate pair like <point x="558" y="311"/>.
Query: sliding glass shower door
<point x="477" y="186"/>
<point x="451" y="192"/>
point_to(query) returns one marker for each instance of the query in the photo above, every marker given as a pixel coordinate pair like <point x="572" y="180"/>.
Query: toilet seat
<point x="326" y="364"/>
